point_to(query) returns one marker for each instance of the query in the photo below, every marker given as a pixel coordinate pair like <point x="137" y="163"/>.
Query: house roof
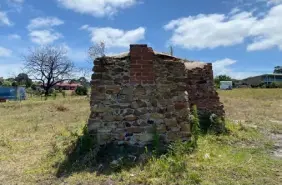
<point x="270" y="74"/>
<point x="68" y="84"/>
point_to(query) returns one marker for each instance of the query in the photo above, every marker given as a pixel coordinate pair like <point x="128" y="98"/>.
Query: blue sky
<point x="240" y="37"/>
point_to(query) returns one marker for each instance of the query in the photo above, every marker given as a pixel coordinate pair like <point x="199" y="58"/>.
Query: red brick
<point x="180" y="105"/>
<point x="147" y="62"/>
<point x="145" y="66"/>
<point x="136" y="52"/>
<point x="135" y="70"/>
<point x="138" y="61"/>
<point x="147" y="70"/>
<point x="148" y="57"/>
<point x="133" y="62"/>
<point x="137" y="57"/>
<point x="145" y="74"/>
<point x="135" y="66"/>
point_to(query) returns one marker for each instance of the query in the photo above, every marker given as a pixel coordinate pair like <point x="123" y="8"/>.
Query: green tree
<point x="23" y="79"/>
<point x="83" y="81"/>
<point x="1" y="81"/>
<point x="15" y="84"/>
<point x="72" y="81"/>
<point x="81" y="90"/>
<point x="7" y="83"/>
<point x="219" y="78"/>
<point x="277" y="69"/>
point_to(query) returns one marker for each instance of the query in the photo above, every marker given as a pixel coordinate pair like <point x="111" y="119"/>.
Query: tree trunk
<point x="46" y="93"/>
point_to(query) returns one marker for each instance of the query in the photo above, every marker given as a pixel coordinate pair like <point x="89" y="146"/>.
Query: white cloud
<point x="10" y="70"/>
<point x="41" y="32"/>
<point x="17" y="1"/>
<point x="223" y="67"/>
<point x="14" y="36"/>
<point x="234" y="11"/>
<point x="115" y="37"/>
<point x="275" y="2"/>
<point x="215" y="30"/>
<point x="76" y="54"/>
<point x="44" y="22"/>
<point x="84" y="27"/>
<point x="267" y="32"/>
<point x="210" y="31"/>
<point x="98" y="8"/>
<point x="4" y="19"/>
<point x="43" y="37"/>
<point x="4" y="52"/>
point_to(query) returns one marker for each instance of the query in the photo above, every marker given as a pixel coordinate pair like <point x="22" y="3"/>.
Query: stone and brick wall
<point x="134" y="93"/>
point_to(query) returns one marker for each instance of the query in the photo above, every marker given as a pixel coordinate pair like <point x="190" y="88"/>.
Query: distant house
<point x="67" y="86"/>
<point x="262" y="79"/>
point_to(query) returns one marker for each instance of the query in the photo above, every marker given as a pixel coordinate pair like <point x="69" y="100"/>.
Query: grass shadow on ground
<point x="85" y="155"/>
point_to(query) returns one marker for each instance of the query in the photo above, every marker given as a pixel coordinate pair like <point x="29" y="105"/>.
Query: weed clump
<point x="195" y="127"/>
<point x="211" y="123"/>
<point x="217" y="124"/>
<point x="61" y="108"/>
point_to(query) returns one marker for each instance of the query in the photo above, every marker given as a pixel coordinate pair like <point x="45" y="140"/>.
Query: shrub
<point x="33" y="87"/>
<point x="211" y="123"/>
<point x="15" y="84"/>
<point x="81" y="91"/>
<point x="51" y="91"/>
<point x="54" y="95"/>
<point x="61" y="108"/>
<point x="63" y="93"/>
<point x="195" y="126"/>
<point x="217" y="124"/>
<point x="275" y="85"/>
<point x="156" y="140"/>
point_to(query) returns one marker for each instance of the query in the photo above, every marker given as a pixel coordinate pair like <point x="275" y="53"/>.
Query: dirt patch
<point x="278" y="145"/>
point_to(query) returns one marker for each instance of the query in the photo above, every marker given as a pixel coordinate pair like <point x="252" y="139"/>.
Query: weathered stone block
<point x="144" y="138"/>
<point x="135" y="129"/>
<point x="156" y="116"/>
<point x="114" y="89"/>
<point x="118" y="118"/>
<point x="108" y="117"/>
<point x="139" y="90"/>
<point x="140" y="111"/>
<point x="93" y="125"/>
<point x="130" y="117"/>
<point x="171" y="122"/>
<point x="100" y="109"/>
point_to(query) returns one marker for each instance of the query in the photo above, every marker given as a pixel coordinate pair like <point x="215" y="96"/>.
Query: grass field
<point x="35" y="134"/>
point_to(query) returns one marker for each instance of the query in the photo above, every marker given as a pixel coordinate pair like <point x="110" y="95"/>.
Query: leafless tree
<point x="97" y="50"/>
<point x="49" y="65"/>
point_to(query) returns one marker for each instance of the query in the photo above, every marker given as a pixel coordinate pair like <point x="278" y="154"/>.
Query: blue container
<point x="12" y="93"/>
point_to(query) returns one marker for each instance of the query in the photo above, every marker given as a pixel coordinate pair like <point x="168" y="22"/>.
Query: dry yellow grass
<point x="34" y="135"/>
<point x="28" y="130"/>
